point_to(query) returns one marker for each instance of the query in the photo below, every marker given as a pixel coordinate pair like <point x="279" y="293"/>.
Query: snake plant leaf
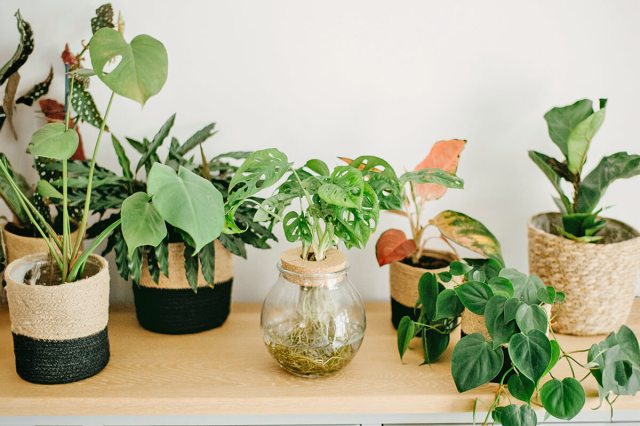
<point x="494" y="318"/>
<point x="142" y="68"/>
<point x="530" y="353"/>
<point x="406" y="332"/>
<point x="521" y="387"/>
<point x="149" y="156"/>
<point x="562" y="120"/>
<point x="580" y="139"/>
<point x="83" y="104"/>
<point x="24" y="49"/>
<point x="469" y="233"/>
<point x="260" y="170"/>
<point x="563" y="399"/>
<point x="37" y="91"/>
<point x="54" y="141"/>
<point x="518" y="415"/>
<point x="393" y="246"/>
<point x="188" y="202"/>
<point x="475" y="362"/>
<point x="620" y="165"/>
<point x="103" y="18"/>
<point x="444" y="156"/>
<point x="531" y="317"/>
<point x="197" y="138"/>
<point x="545" y="162"/>
<point x="142" y="224"/>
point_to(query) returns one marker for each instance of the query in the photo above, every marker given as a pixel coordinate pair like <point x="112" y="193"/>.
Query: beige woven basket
<point x="599" y="280"/>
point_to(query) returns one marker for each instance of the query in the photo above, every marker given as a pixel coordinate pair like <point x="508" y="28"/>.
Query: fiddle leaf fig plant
<point x="572" y="129"/>
<point x="428" y="182"/>
<point x="54" y="141"/>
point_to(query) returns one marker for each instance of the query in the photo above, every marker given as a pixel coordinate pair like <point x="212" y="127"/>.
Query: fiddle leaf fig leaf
<point x="530" y="353"/>
<point x="141" y="224"/>
<point x="544" y="163"/>
<point x="562" y="120"/>
<point x="531" y="317"/>
<point x="580" y="139"/>
<point x="406" y="332"/>
<point x="188" y="202"/>
<point x="469" y="233"/>
<point x="563" y="399"/>
<point x="475" y="362"/>
<point x="474" y="295"/>
<point x="521" y="387"/>
<point x="142" y="68"/>
<point x="54" y="141"/>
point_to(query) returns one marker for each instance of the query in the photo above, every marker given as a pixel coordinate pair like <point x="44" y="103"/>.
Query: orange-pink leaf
<point x="444" y="155"/>
<point x="393" y="246"/>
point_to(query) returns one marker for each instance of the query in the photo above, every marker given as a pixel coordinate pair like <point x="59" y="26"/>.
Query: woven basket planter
<point x="404" y="279"/>
<point x="59" y="332"/>
<point x="599" y="280"/>
<point x="172" y="307"/>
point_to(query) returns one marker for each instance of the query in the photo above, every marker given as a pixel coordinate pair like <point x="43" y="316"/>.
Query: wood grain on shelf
<point x="228" y="371"/>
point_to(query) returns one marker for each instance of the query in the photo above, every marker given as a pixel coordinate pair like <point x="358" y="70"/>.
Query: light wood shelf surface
<point x="228" y="371"/>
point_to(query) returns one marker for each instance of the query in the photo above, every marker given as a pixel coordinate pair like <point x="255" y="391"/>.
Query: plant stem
<point x="496" y="400"/>
<point x="66" y="232"/>
<point x="87" y="201"/>
<point x="315" y="226"/>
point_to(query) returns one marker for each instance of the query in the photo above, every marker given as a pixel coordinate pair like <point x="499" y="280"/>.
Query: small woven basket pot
<point x="599" y="279"/>
<point x="404" y="279"/>
<point x="172" y="307"/>
<point x="59" y="332"/>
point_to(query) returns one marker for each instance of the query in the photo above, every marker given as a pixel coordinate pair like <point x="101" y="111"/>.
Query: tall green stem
<point x="66" y="232"/>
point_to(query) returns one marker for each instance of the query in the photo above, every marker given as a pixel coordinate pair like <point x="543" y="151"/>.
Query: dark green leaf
<point x="525" y="286"/>
<point x="37" y="91"/>
<point x="162" y="254"/>
<point x="501" y="286"/>
<point x="545" y="164"/>
<point x="434" y="343"/>
<point x="191" y="267"/>
<point x="521" y="387"/>
<point x="208" y="262"/>
<point x="629" y="344"/>
<point x="555" y="356"/>
<point x="458" y="268"/>
<point x="123" y="160"/>
<point x="83" y="104"/>
<point x="406" y="332"/>
<point x="158" y="139"/>
<point x="24" y="49"/>
<point x="475" y="362"/>
<point x="518" y="415"/>
<point x="510" y="309"/>
<point x="428" y="292"/>
<point x="474" y="295"/>
<point x="499" y="329"/>
<point x="562" y="120"/>
<point x="103" y="18"/>
<point x="563" y="399"/>
<point x="531" y="317"/>
<point x="530" y="353"/>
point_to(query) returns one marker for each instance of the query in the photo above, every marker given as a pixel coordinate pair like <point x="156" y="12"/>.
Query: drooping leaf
<point x="406" y="332"/>
<point x="580" y="139"/>
<point x="142" y="224"/>
<point x="555" y="356"/>
<point x="518" y="415"/>
<point x="474" y="295"/>
<point x="142" y="69"/>
<point x="530" y="353"/>
<point x="208" y="262"/>
<point x="521" y="387"/>
<point x="562" y="120"/>
<point x="443" y="155"/>
<point x="531" y="317"/>
<point x="188" y="202"/>
<point x="563" y="399"/>
<point x="475" y="362"/>
<point x="545" y="164"/>
<point x="8" y="102"/>
<point x="103" y="18"/>
<point x="23" y="50"/>
<point x="428" y="293"/>
<point x="7" y="192"/>
<point x="162" y="255"/>
<point x="37" y="91"/>
<point x="393" y="246"/>
<point x="468" y="232"/>
<point x="434" y="344"/>
<point x="494" y="318"/>
<point x="191" y="267"/>
<point x="123" y="160"/>
<point x="54" y="141"/>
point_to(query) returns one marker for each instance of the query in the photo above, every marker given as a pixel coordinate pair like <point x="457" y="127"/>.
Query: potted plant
<point x="178" y="287"/>
<point x="576" y="250"/>
<point x="313" y="319"/>
<point x="58" y="301"/>
<point x="410" y="258"/>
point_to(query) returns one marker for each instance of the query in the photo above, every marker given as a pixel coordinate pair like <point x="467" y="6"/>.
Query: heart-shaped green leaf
<point x="511" y="308"/>
<point x="531" y="317"/>
<point x="406" y="332"/>
<point x="448" y="305"/>
<point x="54" y="141"/>
<point x="518" y="415"/>
<point x="521" y="387"/>
<point x="563" y="399"/>
<point x="474" y="295"/>
<point x="501" y="286"/>
<point x="141" y="223"/>
<point x="188" y="202"/>
<point x="499" y="329"/>
<point x="428" y="293"/>
<point x="434" y="343"/>
<point x="555" y="356"/>
<point x="530" y="353"/>
<point x="474" y="362"/>
<point x="547" y="295"/>
<point x="142" y="68"/>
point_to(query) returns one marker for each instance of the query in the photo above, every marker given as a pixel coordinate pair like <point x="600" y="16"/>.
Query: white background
<point x="329" y="78"/>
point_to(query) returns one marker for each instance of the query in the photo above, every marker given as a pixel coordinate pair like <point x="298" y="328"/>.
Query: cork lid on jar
<point x="332" y="269"/>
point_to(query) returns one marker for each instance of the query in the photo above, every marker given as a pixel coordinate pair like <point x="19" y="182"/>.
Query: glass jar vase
<point x="313" y="319"/>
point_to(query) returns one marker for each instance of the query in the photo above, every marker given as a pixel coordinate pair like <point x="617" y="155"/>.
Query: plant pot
<point x="313" y="319"/>
<point x="172" y="307"/>
<point x="59" y="332"/>
<point x="404" y="279"/>
<point x="17" y="246"/>
<point x="598" y="279"/>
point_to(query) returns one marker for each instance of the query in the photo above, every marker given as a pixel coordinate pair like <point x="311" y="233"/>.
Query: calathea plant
<point x="572" y="128"/>
<point x="140" y="74"/>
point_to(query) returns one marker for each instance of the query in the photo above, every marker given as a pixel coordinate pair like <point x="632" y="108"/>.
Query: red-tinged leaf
<point x="69" y="58"/>
<point x="393" y="246"/>
<point x="444" y="155"/>
<point x="54" y="113"/>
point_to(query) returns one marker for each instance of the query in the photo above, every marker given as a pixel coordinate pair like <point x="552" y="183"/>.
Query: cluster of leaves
<point x="572" y="128"/>
<point x="518" y="352"/>
<point x="342" y="204"/>
<point x="411" y="198"/>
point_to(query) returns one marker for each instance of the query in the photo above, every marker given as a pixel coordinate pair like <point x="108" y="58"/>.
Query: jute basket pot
<point x="59" y="332"/>
<point x="404" y="279"/>
<point x="599" y="280"/>
<point x="172" y="307"/>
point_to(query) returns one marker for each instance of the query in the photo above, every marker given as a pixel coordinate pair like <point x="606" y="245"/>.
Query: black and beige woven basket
<point x="172" y="307"/>
<point x="59" y="332"/>
<point x="404" y="279"/>
<point x="599" y="280"/>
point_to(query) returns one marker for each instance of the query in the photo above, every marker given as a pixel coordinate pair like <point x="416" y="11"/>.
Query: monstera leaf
<point x="444" y="155"/>
<point x="142" y="68"/>
<point x="260" y="170"/>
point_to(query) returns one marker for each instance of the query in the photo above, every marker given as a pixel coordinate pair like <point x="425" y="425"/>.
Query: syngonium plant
<point x="336" y="205"/>
<point x="518" y="354"/>
<point x="572" y="128"/>
<point x="148" y="213"/>
<point x="453" y="227"/>
<point x="140" y="74"/>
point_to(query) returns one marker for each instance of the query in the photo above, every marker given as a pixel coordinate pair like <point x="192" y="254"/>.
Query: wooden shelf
<point x="228" y="372"/>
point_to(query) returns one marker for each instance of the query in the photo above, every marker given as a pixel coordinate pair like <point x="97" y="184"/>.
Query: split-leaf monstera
<point x="572" y="129"/>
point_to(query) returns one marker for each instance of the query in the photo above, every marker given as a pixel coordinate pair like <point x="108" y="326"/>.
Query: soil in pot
<point x="48" y="273"/>
<point x="427" y="262"/>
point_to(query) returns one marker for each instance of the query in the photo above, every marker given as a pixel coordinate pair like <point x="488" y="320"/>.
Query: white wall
<point x="321" y="79"/>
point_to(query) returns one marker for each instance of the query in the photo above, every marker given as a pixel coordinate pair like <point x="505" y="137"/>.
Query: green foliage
<point x="54" y="141"/>
<point x="572" y="129"/>
<point x="23" y="50"/>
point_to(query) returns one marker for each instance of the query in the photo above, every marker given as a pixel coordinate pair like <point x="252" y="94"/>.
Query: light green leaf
<point x="47" y="190"/>
<point x="531" y="317"/>
<point x="142" y="68"/>
<point x="530" y="353"/>
<point x="345" y="188"/>
<point x="296" y="227"/>
<point x="123" y="160"/>
<point x="437" y="176"/>
<point x="562" y="120"/>
<point x="563" y="399"/>
<point x="474" y="362"/>
<point x="188" y="202"/>
<point x="142" y="225"/>
<point x="260" y="170"/>
<point x="580" y="139"/>
<point x="525" y="286"/>
<point x="501" y="286"/>
<point x="629" y="344"/>
<point x="54" y="141"/>
<point x="318" y="166"/>
<point x="547" y="295"/>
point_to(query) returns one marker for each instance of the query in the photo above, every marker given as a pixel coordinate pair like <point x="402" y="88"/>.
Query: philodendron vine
<point x="518" y="353"/>
<point x="342" y="204"/>
<point x="140" y="74"/>
<point x="572" y="128"/>
<point x="453" y="227"/>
